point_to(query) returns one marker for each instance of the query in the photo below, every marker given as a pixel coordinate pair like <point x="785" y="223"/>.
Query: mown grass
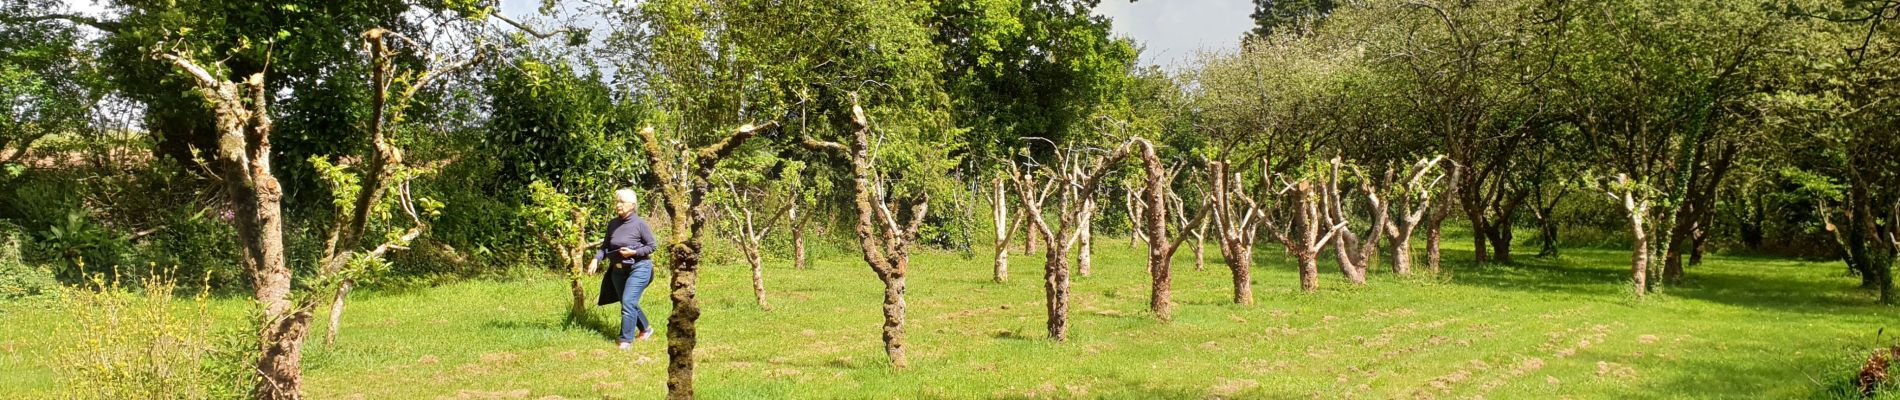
<point x="1742" y="328"/>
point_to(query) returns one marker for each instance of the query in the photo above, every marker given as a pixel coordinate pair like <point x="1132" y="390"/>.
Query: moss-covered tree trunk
<point x="685" y="196"/>
<point x="1075" y="183"/>
<point x="885" y="243"/>
<point x="243" y="161"/>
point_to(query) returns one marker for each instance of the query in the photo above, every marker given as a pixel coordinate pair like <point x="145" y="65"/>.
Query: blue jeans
<point x="633" y="320"/>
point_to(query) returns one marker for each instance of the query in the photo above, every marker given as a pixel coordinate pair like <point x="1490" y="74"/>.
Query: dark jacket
<point x="633" y="233"/>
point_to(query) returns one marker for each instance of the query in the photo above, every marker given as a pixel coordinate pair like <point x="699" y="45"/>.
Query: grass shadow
<point x="589" y="322"/>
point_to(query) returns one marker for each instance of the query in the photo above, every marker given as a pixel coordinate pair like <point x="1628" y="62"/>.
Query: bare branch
<point x="530" y="30"/>
<point x="204" y="78"/>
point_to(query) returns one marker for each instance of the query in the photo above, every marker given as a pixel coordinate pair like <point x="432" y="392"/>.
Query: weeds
<point x="138" y="343"/>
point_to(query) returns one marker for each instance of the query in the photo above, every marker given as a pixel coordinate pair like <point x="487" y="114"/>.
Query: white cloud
<point x="1174" y="31"/>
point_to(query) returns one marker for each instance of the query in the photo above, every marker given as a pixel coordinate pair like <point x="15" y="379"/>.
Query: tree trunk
<point x="1672" y="260"/>
<point x="685" y="197"/>
<point x="1699" y="243"/>
<point x="1161" y="245"/>
<point x="1381" y="207"/>
<point x="1435" y="224"/>
<point x="1332" y="205"/>
<point x="1086" y="242"/>
<point x="577" y="310"/>
<point x="798" y="236"/>
<point x="1309" y="270"/>
<point x="682" y="331"/>
<point x="1004" y="228"/>
<point x="1547" y="232"/>
<point x="1235" y="232"/>
<point x="885" y="246"/>
<point x="1200" y="244"/>
<point x="1055" y="290"/>
<point x="1868" y="241"/>
<point x="1076" y="187"/>
<point x="1402" y="249"/>
<point x="1480" y="250"/>
<point x="256" y="198"/>
<point x="336" y="310"/>
<point x="280" y="364"/>
<point x="1501" y="238"/>
<point x="1636" y="205"/>
<point x="1030" y="239"/>
<point x="1341" y="244"/>
<point x="1242" y="266"/>
<point x="1639" y="263"/>
<point x="753" y="258"/>
<point x="1136" y="234"/>
<point x="894" y="316"/>
<point x="1308" y="220"/>
<point x="1695" y="215"/>
<point x="1001" y="273"/>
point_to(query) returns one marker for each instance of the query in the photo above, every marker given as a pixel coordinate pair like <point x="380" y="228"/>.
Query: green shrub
<point x="141" y="343"/>
<point x="17" y="278"/>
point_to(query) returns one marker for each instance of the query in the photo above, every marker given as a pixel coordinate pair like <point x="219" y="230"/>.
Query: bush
<point x="139" y="344"/>
<point x="17" y="279"/>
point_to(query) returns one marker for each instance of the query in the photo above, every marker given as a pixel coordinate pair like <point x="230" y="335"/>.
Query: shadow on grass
<point x="1743" y="281"/>
<point x="589" y="322"/>
<point x="1830" y="378"/>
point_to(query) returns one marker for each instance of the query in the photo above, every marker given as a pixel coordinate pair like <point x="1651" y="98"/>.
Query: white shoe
<point x="646" y="335"/>
<point x="626" y="345"/>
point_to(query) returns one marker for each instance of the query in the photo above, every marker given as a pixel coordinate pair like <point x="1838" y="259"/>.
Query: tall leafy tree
<point x="1295" y="17"/>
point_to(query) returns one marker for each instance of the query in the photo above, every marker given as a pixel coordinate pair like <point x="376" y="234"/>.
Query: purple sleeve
<point x="647" y="244"/>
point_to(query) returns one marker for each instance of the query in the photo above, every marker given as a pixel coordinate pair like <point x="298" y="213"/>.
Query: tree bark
<point x="1200" y="246"/>
<point x="1004" y="228"/>
<point x="798" y="234"/>
<point x="243" y="161"/>
<point x="1414" y="204"/>
<point x="1639" y="263"/>
<point x="1402" y="253"/>
<point x="1085" y="245"/>
<point x="748" y="232"/>
<point x="1333" y="208"/>
<point x="1636" y="204"/>
<point x="1076" y="185"/>
<point x="685" y="197"/>
<point x="1547" y="231"/>
<point x="1135" y="232"/>
<point x="1379" y="204"/>
<point x="1030" y="239"/>
<point x="1435" y="225"/>
<point x="885" y="243"/>
<point x="1480" y="245"/>
<point x="758" y="275"/>
<point x="1693" y="215"/>
<point x="1235" y="219"/>
<point x="1161" y="245"/>
<point x="1503" y="223"/>
<point x="1310" y="241"/>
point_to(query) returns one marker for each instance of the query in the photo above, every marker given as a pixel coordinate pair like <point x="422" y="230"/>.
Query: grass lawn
<point x="1742" y="328"/>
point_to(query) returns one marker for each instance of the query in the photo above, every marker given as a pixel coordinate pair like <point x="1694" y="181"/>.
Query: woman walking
<point x="628" y="248"/>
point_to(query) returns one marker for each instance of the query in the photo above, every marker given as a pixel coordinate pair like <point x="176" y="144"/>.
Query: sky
<point x="1172" y="31"/>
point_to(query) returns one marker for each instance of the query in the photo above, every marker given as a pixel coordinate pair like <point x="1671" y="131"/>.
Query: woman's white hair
<point x="629" y="196"/>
